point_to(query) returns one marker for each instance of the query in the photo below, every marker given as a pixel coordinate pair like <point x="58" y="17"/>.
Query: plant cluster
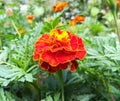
<point x="59" y="50"/>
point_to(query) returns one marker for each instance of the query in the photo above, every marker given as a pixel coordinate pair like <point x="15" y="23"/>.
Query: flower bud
<point x="9" y="12"/>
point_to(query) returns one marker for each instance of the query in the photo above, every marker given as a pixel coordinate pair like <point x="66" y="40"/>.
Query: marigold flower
<point x="79" y="19"/>
<point x="60" y="6"/>
<point x="57" y="50"/>
<point x="30" y="19"/>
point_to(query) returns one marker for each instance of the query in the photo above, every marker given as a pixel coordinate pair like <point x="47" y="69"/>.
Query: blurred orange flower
<point x="21" y="31"/>
<point x="60" y="6"/>
<point x="57" y="50"/>
<point x="118" y="3"/>
<point x="79" y="19"/>
<point x="30" y="19"/>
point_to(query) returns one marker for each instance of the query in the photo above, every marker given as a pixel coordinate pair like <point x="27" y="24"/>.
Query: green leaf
<point x="94" y="11"/>
<point x="115" y="91"/>
<point x="56" y="22"/>
<point x="7" y="96"/>
<point x="2" y="96"/>
<point x="48" y="98"/>
<point x="29" y="77"/>
<point x="85" y="97"/>
<point x="57" y="96"/>
<point x="8" y="74"/>
<point x="4" y="54"/>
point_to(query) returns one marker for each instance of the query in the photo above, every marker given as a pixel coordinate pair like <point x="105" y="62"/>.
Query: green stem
<point x="60" y="75"/>
<point x="16" y="29"/>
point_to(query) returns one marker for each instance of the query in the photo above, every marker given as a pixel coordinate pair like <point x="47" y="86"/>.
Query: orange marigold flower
<point x="30" y="19"/>
<point x="79" y="19"/>
<point x="60" y="6"/>
<point x="57" y="50"/>
<point x="21" y="31"/>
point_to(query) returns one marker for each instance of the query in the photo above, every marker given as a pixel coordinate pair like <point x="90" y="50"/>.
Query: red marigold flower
<point x="79" y="19"/>
<point x="57" y="50"/>
<point x="60" y="6"/>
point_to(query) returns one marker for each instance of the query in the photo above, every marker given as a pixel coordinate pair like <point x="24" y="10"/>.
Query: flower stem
<point x="60" y="75"/>
<point x="15" y="27"/>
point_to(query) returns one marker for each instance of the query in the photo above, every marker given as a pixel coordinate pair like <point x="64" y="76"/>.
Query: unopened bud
<point x="9" y="12"/>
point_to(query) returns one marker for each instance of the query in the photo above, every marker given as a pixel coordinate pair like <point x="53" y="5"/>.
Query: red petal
<point x="36" y="55"/>
<point x="74" y="42"/>
<point x="49" y="57"/>
<point x="63" y="66"/>
<point x="59" y="31"/>
<point x="81" y="54"/>
<point x="41" y="46"/>
<point x="44" y="65"/>
<point x="53" y="69"/>
<point x="64" y="56"/>
<point x="74" y="66"/>
<point x="80" y="44"/>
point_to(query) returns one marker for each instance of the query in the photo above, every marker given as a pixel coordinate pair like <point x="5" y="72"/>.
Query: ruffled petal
<point x="64" y="56"/>
<point x="74" y="42"/>
<point x="80" y="44"/>
<point x="44" y="65"/>
<point x="36" y="55"/>
<point x="53" y="69"/>
<point x="81" y="54"/>
<point x="74" y="66"/>
<point x="49" y="57"/>
<point x="63" y="66"/>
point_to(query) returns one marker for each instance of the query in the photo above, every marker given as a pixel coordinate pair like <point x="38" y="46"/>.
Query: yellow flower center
<point x="60" y="36"/>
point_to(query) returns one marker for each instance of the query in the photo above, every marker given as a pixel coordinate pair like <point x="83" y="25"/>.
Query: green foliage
<point x="56" y="97"/>
<point x="102" y="65"/>
<point x="53" y="23"/>
<point x="16" y="63"/>
<point x="7" y="96"/>
<point x="91" y="27"/>
<point x="97" y="76"/>
<point x="83" y="97"/>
